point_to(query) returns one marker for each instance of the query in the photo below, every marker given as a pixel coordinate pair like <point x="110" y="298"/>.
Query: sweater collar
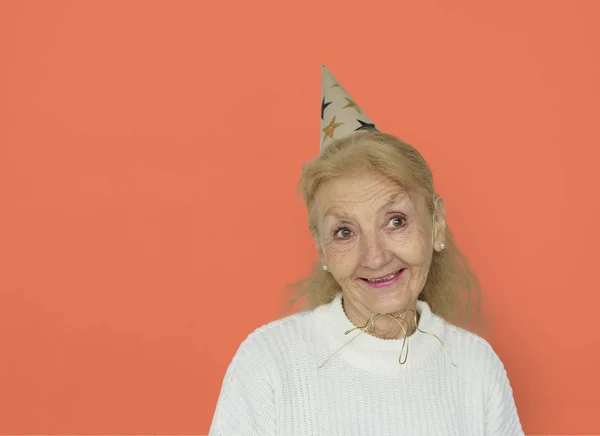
<point x="377" y="354"/>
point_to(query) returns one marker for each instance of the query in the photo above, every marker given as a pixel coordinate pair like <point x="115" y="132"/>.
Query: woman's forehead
<point x="363" y="187"/>
<point x="340" y="206"/>
<point x="341" y="195"/>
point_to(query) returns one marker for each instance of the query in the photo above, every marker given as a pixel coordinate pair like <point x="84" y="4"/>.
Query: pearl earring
<point x="442" y="246"/>
<point x="324" y="267"/>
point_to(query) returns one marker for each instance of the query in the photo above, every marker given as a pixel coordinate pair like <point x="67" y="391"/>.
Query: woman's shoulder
<point x="471" y="346"/>
<point x="456" y="333"/>
<point x="271" y="338"/>
<point x="255" y="374"/>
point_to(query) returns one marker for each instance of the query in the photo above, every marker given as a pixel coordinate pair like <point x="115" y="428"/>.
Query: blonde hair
<point x="452" y="289"/>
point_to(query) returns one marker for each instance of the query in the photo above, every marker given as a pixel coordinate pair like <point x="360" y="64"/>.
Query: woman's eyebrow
<point x="398" y="198"/>
<point x="335" y="212"/>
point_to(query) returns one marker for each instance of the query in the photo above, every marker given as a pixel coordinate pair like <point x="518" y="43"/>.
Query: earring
<point x="324" y="267"/>
<point x="442" y="246"/>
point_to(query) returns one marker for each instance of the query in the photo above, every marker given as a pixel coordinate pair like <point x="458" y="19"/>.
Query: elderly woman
<point x="375" y="353"/>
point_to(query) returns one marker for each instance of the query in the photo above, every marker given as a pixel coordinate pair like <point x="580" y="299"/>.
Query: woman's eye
<point x="397" y="221"/>
<point x="343" y="233"/>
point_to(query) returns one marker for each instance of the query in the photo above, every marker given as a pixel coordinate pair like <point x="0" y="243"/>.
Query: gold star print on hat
<point x="340" y="115"/>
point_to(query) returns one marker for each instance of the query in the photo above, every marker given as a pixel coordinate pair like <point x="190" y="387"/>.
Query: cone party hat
<point x="340" y="115"/>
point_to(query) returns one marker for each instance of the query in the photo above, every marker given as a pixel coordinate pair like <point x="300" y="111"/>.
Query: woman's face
<point x="376" y="241"/>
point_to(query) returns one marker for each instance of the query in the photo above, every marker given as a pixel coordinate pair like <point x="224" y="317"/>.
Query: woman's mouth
<point x="378" y="282"/>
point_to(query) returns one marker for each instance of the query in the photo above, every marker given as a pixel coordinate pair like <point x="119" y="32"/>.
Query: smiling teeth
<point x="384" y="279"/>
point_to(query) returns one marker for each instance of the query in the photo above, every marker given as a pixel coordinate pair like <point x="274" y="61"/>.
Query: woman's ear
<point x="439" y="224"/>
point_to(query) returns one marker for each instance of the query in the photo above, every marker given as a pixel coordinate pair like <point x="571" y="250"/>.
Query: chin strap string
<point x="369" y="328"/>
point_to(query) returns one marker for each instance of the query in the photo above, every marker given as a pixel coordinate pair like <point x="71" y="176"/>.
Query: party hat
<point x="340" y="115"/>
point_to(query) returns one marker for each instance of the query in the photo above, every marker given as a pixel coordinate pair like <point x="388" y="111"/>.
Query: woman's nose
<point x="374" y="252"/>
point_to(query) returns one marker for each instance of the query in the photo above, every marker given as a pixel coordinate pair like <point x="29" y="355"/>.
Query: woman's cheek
<point x="340" y="248"/>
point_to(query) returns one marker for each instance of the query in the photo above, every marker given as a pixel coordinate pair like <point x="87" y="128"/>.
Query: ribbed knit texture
<point x="274" y="385"/>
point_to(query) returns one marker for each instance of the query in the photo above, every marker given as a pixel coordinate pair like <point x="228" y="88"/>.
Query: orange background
<point x="149" y="152"/>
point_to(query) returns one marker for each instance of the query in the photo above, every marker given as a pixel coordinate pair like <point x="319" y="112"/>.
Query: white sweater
<point x="274" y="385"/>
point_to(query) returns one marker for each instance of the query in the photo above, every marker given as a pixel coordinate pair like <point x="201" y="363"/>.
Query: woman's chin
<point x="388" y="302"/>
<point x="386" y="297"/>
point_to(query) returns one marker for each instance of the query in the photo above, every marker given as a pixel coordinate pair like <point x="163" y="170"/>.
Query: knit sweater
<point x="274" y="385"/>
